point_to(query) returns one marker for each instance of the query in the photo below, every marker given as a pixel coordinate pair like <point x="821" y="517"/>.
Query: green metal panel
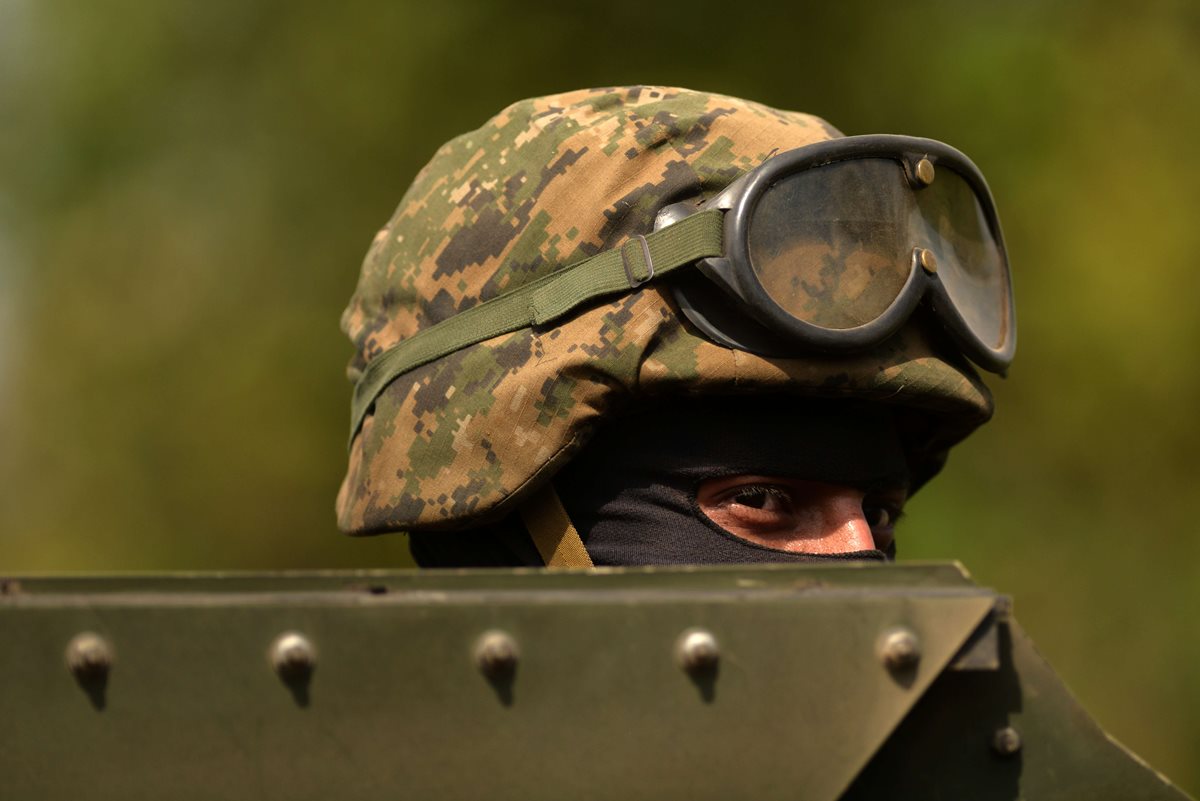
<point x="945" y="747"/>
<point x="598" y="705"/>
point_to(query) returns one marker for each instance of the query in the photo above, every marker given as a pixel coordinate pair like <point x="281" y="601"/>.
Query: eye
<point x="764" y="497"/>
<point x="753" y="505"/>
<point x="882" y="515"/>
<point x="877" y="516"/>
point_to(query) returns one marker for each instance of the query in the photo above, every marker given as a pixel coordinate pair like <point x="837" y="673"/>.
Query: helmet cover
<point x="545" y="183"/>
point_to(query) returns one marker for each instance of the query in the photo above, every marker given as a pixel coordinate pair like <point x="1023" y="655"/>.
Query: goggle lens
<point x="824" y="242"/>
<point x="970" y="264"/>
<point x="833" y="245"/>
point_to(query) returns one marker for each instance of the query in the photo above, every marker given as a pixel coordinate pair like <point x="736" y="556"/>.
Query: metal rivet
<point x="497" y="654"/>
<point x="924" y="172"/>
<point x="1006" y="741"/>
<point x="899" y="649"/>
<point x="697" y="651"/>
<point x="89" y="656"/>
<point x="926" y="260"/>
<point x="293" y="656"/>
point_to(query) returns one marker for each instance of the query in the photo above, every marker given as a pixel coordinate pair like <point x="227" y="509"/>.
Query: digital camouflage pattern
<point x="546" y="183"/>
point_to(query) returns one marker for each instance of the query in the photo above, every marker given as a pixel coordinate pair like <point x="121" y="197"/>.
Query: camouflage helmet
<point x="547" y="182"/>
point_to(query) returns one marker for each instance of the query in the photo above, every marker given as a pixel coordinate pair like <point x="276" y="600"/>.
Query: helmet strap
<point x="552" y="531"/>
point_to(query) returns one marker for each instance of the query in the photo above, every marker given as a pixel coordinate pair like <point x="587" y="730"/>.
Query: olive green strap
<point x="618" y="270"/>
<point x="552" y="531"/>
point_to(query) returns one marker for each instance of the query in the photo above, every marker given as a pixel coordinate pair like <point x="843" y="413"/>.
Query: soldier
<point x="654" y="326"/>
<point x="621" y="327"/>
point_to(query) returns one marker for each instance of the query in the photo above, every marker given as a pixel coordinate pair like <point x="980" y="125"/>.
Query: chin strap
<point x="552" y="531"/>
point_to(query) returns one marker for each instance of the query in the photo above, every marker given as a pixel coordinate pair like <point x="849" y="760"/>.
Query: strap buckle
<point x="634" y="283"/>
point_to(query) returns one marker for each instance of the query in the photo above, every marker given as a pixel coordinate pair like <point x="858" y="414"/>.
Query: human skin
<point x="801" y="516"/>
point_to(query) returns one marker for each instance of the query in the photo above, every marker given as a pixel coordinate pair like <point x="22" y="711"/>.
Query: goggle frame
<point x="735" y="274"/>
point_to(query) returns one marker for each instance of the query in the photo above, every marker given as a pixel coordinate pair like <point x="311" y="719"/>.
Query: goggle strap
<point x="613" y="271"/>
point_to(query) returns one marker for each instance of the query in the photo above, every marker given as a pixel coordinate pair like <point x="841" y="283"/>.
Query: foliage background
<point x="187" y="187"/>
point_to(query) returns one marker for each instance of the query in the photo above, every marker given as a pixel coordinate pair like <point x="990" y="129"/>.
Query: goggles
<point x="829" y="247"/>
<point x="832" y="247"/>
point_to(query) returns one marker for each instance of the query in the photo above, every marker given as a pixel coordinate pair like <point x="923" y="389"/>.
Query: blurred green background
<point x="187" y="188"/>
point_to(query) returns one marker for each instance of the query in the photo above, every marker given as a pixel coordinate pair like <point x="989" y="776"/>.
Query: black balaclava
<point x="631" y="492"/>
